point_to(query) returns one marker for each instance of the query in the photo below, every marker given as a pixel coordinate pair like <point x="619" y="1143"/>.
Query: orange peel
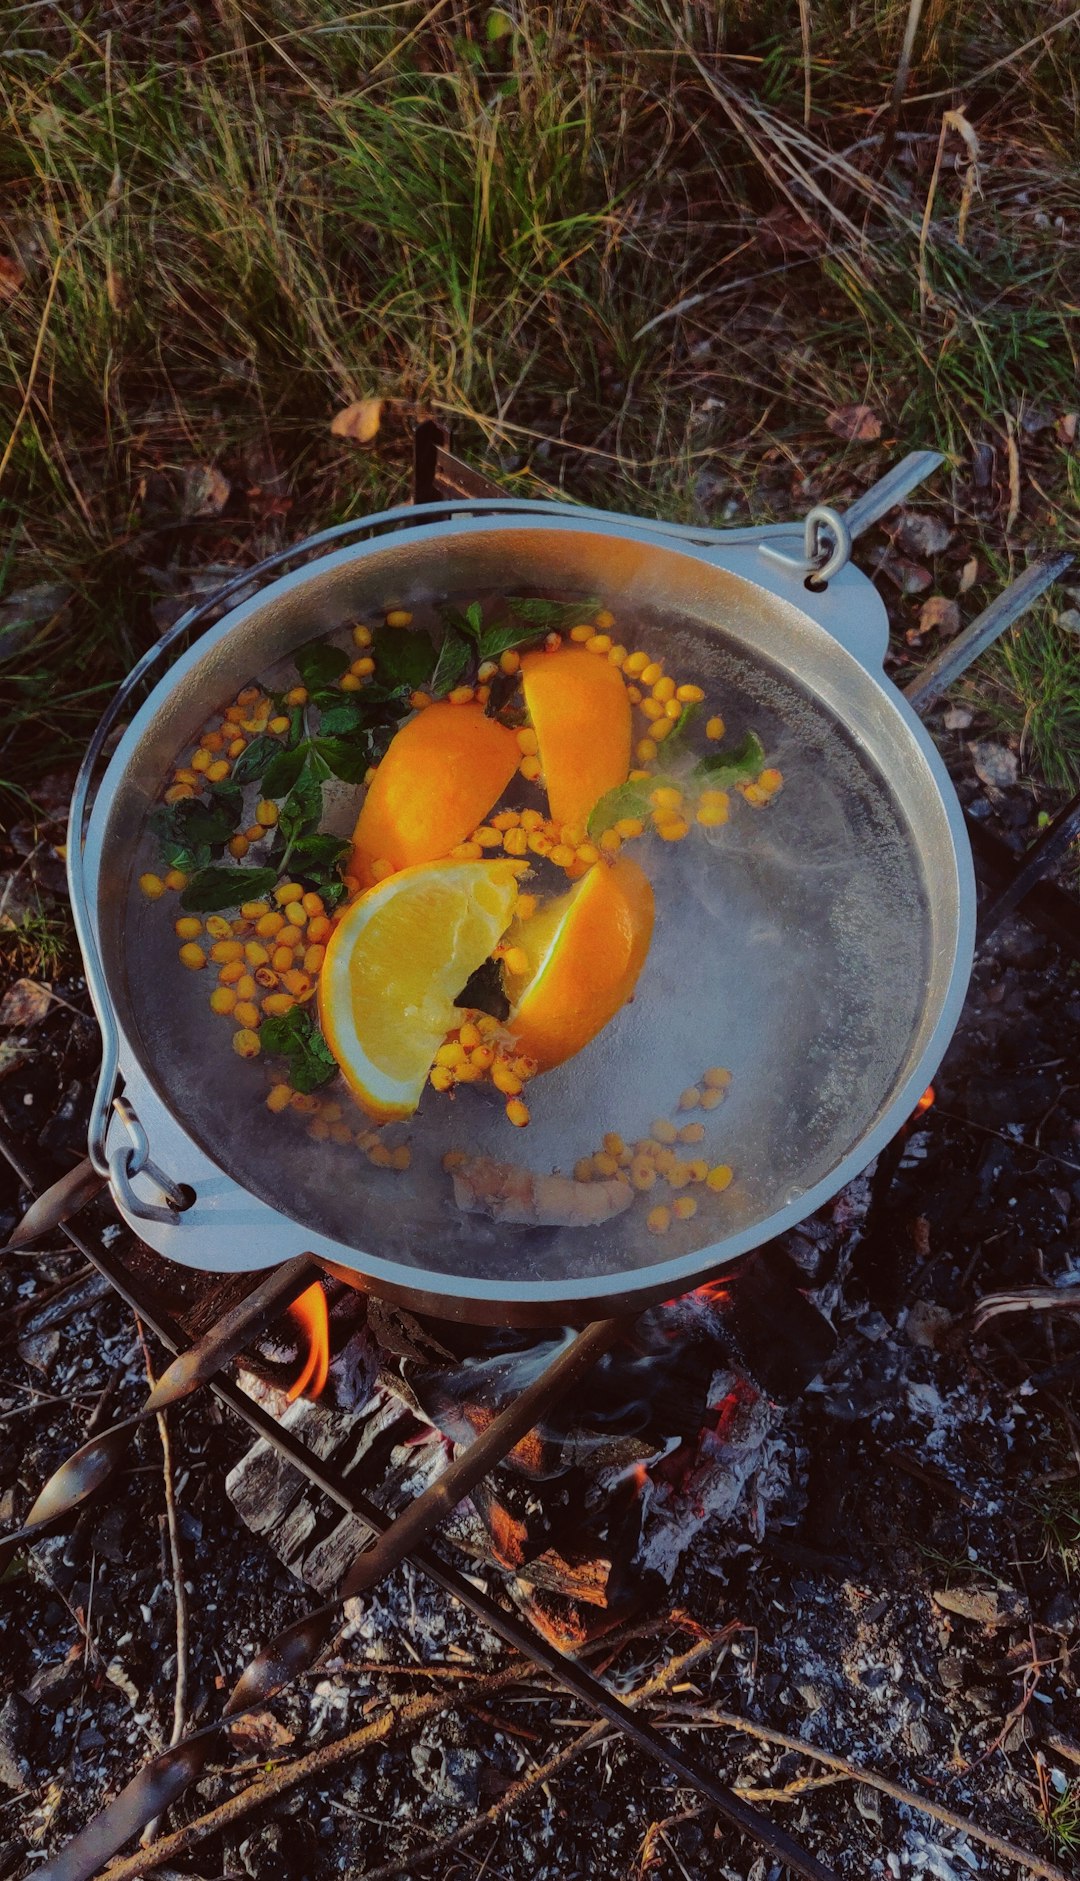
<point x="580" y="713"/>
<point x="441" y="775"/>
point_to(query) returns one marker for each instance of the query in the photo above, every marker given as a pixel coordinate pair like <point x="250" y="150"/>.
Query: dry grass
<point x="605" y="245"/>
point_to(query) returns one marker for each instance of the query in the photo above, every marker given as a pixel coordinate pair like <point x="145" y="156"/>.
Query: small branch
<point x="152" y="1830"/>
<point x="687" y="1719"/>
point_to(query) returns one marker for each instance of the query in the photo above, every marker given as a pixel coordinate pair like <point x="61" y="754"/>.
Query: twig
<point x="541" y="1773"/>
<point x="180" y="1689"/>
<point x="406" y="1717"/>
<point x="963" y="1825"/>
<point x="903" y="63"/>
<point x="804" y="29"/>
<point x="35" y="362"/>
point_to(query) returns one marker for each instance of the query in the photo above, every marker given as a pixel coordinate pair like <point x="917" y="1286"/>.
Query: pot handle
<point x="829" y="533"/>
<point x="132" y="1158"/>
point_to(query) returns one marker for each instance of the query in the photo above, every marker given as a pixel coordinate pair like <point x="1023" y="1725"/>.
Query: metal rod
<point x="890" y="490"/>
<point x="566" y="1672"/>
<point x="1050" y="908"/>
<point x="957" y="655"/>
<point x="1043" y="853"/>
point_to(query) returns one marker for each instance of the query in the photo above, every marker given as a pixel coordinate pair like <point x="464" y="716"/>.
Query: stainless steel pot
<point x="827" y="968"/>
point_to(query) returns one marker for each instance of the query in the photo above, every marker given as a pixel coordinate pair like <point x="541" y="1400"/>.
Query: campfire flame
<point x="924" y="1102"/>
<point x="310" y="1315"/>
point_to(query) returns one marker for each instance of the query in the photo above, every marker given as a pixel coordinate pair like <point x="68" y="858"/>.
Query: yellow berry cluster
<point x="268" y="958"/>
<point x="523" y="833"/>
<point x="656" y="1158"/>
<point x="478" y="1052"/>
<point x="328" y="1124"/>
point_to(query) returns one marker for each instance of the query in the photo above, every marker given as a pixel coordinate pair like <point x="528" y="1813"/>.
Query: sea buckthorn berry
<point x="642" y="1174"/>
<point x="683" y="1207"/>
<point x="582" y="634"/>
<point x="583" y="1169"/>
<point x="698" y="1168"/>
<point x="269" y="924"/>
<point x="523" y="1067"/>
<point x="363" y="667"/>
<point x="176" y="880"/>
<point x="282" y="959"/>
<point x="771" y="780"/>
<point x="247" y="1012"/>
<point x="530" y="769"/>
<point x="630" y="826"/>
<point x="233" y="971"/>
<point x="266" y="814"/>
<point x="467" y="852"/>
<point x="255" y="833"/>
<point x="288" y="892"/>
<point x="487" y="669"/>
<point x="296" y="982"/>
<point x="633" y="693"/>
<point x="562" y="855"/>
<point x="504" y="1079"/>
<point x="673" y="710"/>
<point x="483" y="694"/>
<point x="276" y="1004"/>
<point x="690" y="1099"/>
<point x="541" y="843"/>
<point x="461" y="695"/>
<point x="755" y="796"/>
<point x="201" y="760"/>
<point x="185" y="777"/>
<point x="689" y="695"/>
<point x="483" y="1057"/>
<point x="598" y="643"/>
<point x="469" y="1035"/>
<point x="516" y="961"/>
<point x="663" y="689"/>
<point x="238" y="846"/>
<point x="440" y="1077"/>
<point x="192" y="956"/>
<point x="531" y="820"/>
<point x="226" y="950"/>
<point x="453" y="1053"/>
<point x="318" y="1131"/>
<point x="245" y="986"/>
<point x="381" y="869"/>
<point x="178" y="793"/>
<point x="651" y="672"/>
<point x="661" y="729"/>
<point x="518" y="1113"/>
<point x="526" y="906"/>
<point x="528" y="742"/>
<point x="399" y="617"/>
<point x="613" y="1143"/>
<point x="279" y="724"/>
<point x="279" y="1097"/>
<point x="454" y="1159"/>
<point x="678" y="1175"/>
<point x="211" y="741"/>
<point x="313" y="903"/>
<point x="297" y="695"/>
<point x="710" y="1100"/>
<point x="218" y="771"/>
<point x="663" y="1131"/>
<point x="588" y="853"/>
<point x="716" y="1078"/>
<point x="604" y="1164"/>
<point x="419" y="702"/>
<point x="509" y="662"/>
<point x="712" y="815"/>
<point x="319" y="928"/>
<point x="236" y="745"/>
<point x="604" y="619"/>
<point x="692" y="1133"/>
<point x="401" y="1157"/>
<point x="652" y="708"/>
<point x="673" y="831"/>
<point x="617" y="656"/>
<point x="715" y="728"/>
<point x="218" y="928"/>
<point x="635" y="663"/>
<point x="246" y="1043"/>
<point x="187" y="927"/>
<point x="361" y="636"/>
<point x="515" y="842"/>
<point x="314" y="957"/>
<point x="350" y="682"/>
<point x="658" y="1220"/>
<point x="380" y="1156"/>
<point x="222" y="999"/>
<point x="645" y="749"/>
<point x="666" y="1160"/>
<point x="666" y="797"/>
<point x="487" y="836"/>
<point x="304" y="1101"/>
<point x="266" y="978"/>
<point x="468" y="1073"/>
<point x="611" y="842"/>
<point x="719" y="1177"/>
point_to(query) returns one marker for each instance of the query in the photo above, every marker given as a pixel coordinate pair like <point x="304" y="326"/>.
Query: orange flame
<point x="924" y="1102"/>
<point x="310" y="1314"/>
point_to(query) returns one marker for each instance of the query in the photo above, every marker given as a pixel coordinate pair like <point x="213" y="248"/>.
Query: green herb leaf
<point x="736" y="766"/>
<point x="321" y="852"/>
<point x="344" y="714"/>
<point x="505" y="635"/>
<point x="332" y="891"/>
<point x="282" y="773"/>
<point x="348" y="759"/>
<point x="404" y="657"/>
<point x="455" y="656"/>
<point x="253" y="761"/>
<point x="675" y="746"/>
<point x="470" y="623"/>
<point x="624" y="800"/>
<point x="303" y="805"/>
<point x="295" y="1037"/>
<point x="192" y="824"/>
<point x="210" y="890"/>
<point x="319" y="662"/>
<point x="550" y="615"/>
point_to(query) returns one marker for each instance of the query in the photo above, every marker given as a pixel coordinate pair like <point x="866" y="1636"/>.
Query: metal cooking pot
<point x="821" y="951"/>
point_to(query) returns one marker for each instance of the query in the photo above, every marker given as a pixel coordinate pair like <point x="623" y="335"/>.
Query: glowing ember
<point x="924" y="1102"/>
<point x="310" y="1315"/>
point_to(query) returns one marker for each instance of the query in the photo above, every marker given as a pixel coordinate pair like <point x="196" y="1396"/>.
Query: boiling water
<point x="790" y="946"/>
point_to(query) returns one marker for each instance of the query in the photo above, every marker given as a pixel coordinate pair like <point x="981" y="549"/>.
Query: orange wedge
<point x="581" y="716"/>
<point x="585" y="952"/>
<point x="394" y="966"/>
<point x="442" y="773"/>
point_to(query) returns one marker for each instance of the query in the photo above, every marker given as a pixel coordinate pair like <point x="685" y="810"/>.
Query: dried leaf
<point x="12" y="276"/>
<point x="920" y="534"/>
<point x="909" y="577"/>
<point x="116" y="290"/>
<point x="359" y="421"/>
<point x="259" y="1732"/>
<point x="1066" y="426"/>
<point x="940" y="614"/>
<point x="206" y="491"/>
<point x="969" y="574"/>
<point x="25" y="1003"/>
<point x="857" y="423"/>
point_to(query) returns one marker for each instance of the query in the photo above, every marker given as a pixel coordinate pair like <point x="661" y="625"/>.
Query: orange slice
<point x="581" y="716"/>
<point x="394" y="966"/>
<point x="585" y="952"/>
<point x="443" y="771"/>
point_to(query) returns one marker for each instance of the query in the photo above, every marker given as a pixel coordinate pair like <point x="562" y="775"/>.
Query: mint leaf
<point x="303" y="805"/>
<point x="253" y="761"/>
<point x="282" y="773"/>
<point x="736" y="766"/>
<point x="470" y="623"/>
<point x="210" y="890"/>
<point x="550" y="615"/>
<point x="348" y="759"/>
<point x="345" y="714"/>
<point x="319" y="662"/>
<point x="674" y="746"/>
<point x="403" y="657"/>
<point x="624" y="800"/>
<point x="505" y="635"/>
<point x="455" y="656"/>
<point x="295" y="1037"/>
<point x="321" y="852"/>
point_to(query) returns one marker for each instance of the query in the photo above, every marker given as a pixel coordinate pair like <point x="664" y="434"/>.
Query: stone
<point x="992" y="1607"/>
<point x="1062" y="1612"/>
<point x="951" y="1672"/>
<point x="958" y="718"/>
<point x="920" y="534"/>
<point x="939" y="614"/>
<point x="926" y="1324"/>
<point x="16" y="1724"/>
<point x="995" y="766"/>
